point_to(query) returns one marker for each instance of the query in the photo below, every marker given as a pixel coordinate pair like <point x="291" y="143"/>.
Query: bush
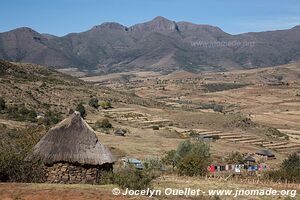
<point x="214" y="106"/>
<point x="279" y="77"/>
<point x="273" y="132"/>
<point x="170" y="158"/>
<point x="190" y="159"/>
<point x="103" y="124"/>
<point x="216" y="87"/>
<point x="51" y="118"/>
<point x="15" y="148"/>
<point x="94" y="102"/>
<point x="105" y="104"/>
<point x="235" y="157"/>
<point x="192" y="165"/>
<point x="155" y="128"/>
<point x="193" y="133"/>
<point x="80" y="108"/>
<point x="2" y="104"/>
<point x="153" y="164"/>
<point x="21" y="113"/>
<point x="289" y="170"/>
<point x="130" y="178"/>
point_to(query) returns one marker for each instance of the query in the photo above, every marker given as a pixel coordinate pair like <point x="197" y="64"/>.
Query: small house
<point x="120" y="132"/>
<point x="265" y="153"/>
<point x="72" y="153"/>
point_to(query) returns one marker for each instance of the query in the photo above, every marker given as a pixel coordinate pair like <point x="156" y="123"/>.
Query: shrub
<point x="193" y="133"/>
<point x="289" y="170"/>
<point x="2" y="104"/>
<point x="170" y="158"/>
<point x="105" y="104"/>
<point x="80" y="108"/>
<point x="190" y="159"/>
<point x="51" y="118"/>
<point x="94" y="102"/>
<point x="216" y="87"/>
<point x="235" y="157"/>
<point x="155" y="128"/>
<point x="192" y="165"/>
<point x="21" y="113"/>
<point x="214" y="106"/>
<point x="2" y="70"/>
<point x="279" y="77"/>
<point x="153" y="164"/>
<point x="276" y="133"/>
<point x="291" y="167"/>
<point x="218" y="108"/>
<point x="103" y="124"/>
<point x="130" y="178"/>
<point x="14" y="150"/>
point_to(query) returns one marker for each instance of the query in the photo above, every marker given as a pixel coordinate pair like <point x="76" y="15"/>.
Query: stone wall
<point x="70" y="173"/>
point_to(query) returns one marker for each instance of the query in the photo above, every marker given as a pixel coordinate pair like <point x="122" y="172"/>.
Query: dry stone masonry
<point x="73" y="174"/>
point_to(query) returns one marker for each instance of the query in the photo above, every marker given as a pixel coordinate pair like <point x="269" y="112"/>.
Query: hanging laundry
<point x="211" y="168"/>
<point x="255" y="168"/>
<point x="222" y="168"/>
<point x="226" y="167"/>
<point x="237" y="169"/>
<point x="233" y="167"/>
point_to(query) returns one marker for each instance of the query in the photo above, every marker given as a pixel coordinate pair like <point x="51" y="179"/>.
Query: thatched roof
<point x="120" y="132"/>
<point x="249" y="159"/>
<point x="265" y="152"/>
<point x="73" y="141"/>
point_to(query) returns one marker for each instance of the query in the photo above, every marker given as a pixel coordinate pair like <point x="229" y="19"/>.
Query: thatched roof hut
<point x="250" y="159"/>
<point x="266" y="153"/>
<point x="73" y="143"/>
<point x="120" y="132"/>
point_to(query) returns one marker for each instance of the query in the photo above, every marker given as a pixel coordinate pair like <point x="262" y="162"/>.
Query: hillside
<point x="159" y="45"/>
<point x="42" y="89"/>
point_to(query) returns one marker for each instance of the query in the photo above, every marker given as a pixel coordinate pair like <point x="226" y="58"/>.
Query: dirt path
<point x="23" y="191"/>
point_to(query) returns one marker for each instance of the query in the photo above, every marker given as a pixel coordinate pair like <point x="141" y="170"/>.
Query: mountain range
<point x="158" y="45"/>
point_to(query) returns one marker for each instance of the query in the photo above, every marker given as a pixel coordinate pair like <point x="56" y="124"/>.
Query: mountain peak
<point x="157" y="24"/>
<point x="24" y="30"/>
<point x="160" y="19"/>
<point x="110" y="25"/>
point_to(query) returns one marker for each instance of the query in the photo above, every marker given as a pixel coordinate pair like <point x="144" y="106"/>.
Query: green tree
<point x="80" y="108"/>
<point x="169" y="158"/>
<point x="183" y="148"/>
<point x="190" y="159"/>
<point x="51" y="118"/>
<point x="16" y="163"/>
<point x="235" y="157"/>
<point x="94" y="102"/>
<point x="192" y="165"/>
<point x="291" y="168"/>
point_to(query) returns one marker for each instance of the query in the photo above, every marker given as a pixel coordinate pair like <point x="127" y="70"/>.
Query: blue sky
<point x="60" y="17"/>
